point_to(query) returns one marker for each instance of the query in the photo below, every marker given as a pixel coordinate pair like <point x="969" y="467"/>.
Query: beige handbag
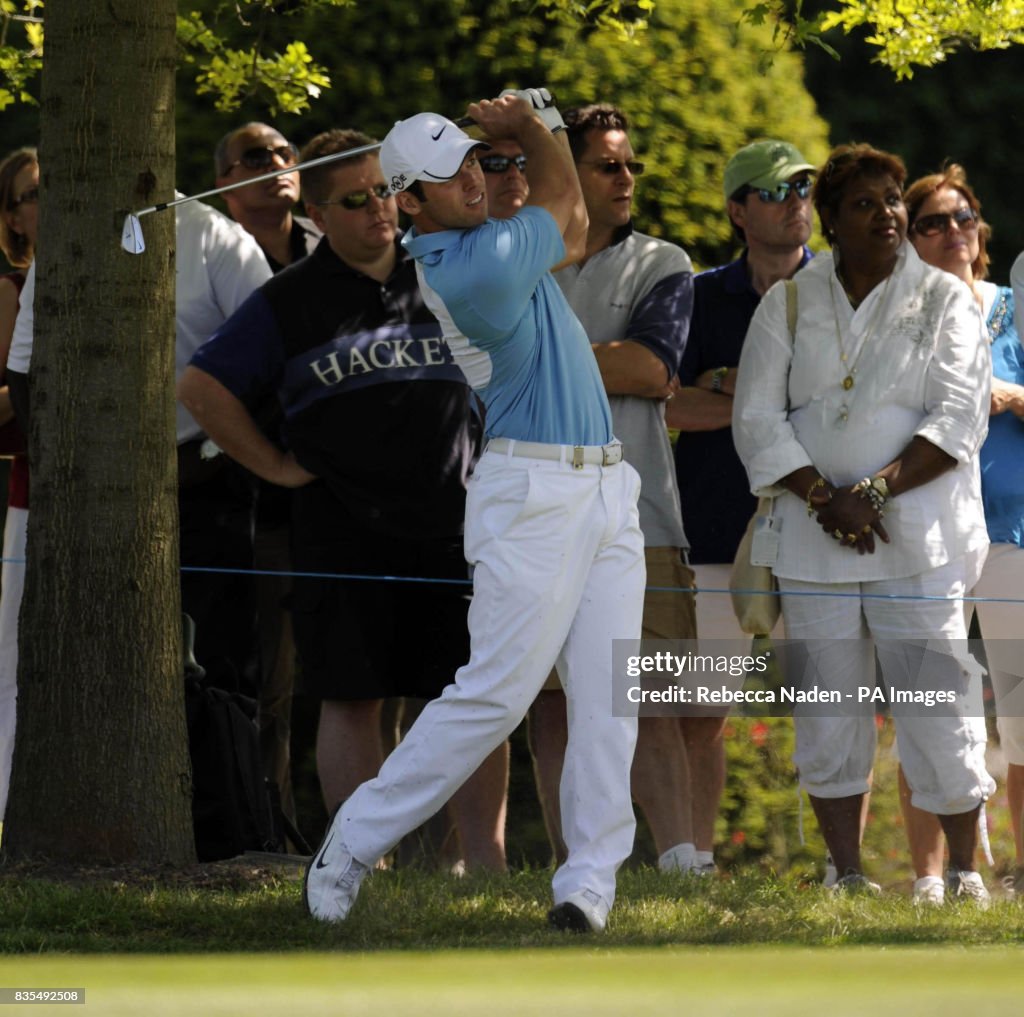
<point x="753" y="588"/>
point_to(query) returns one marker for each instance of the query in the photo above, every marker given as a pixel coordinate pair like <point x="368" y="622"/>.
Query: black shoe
<point x="568" y="918"/>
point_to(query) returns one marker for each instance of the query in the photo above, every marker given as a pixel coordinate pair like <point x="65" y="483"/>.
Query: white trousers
<point x="942" y="750"/>
<point x="1002" y="628"/>
<point x="12" y="579"/>
<point x="558" y="574"/>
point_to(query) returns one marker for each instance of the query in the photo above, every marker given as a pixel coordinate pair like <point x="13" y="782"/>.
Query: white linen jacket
<point x="922" y="367"/>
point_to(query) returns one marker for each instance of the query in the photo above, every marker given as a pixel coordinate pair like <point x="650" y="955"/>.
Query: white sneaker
<point x="856" y="882"/>
<point x="831" y="873"/>
<point x="929" y="891"/>
<point x="332" y="880"/>
<point x="703" y="870"/>
<point x="963" y="884"/>
<point x="678" y="859"/>
<point x="583" y="911"/>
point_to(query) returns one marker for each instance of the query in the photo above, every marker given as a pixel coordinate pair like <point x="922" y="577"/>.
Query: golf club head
<point x="131" y="235"/>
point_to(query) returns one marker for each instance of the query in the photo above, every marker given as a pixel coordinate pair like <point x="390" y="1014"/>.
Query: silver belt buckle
<point x="577" y="457"/>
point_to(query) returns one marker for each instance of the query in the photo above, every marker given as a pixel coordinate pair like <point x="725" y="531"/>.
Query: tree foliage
<point x="226" y="43"/>
<point x="922" y="33"/>
<point x="906" y="34"/>
<point x="21" y="49"/>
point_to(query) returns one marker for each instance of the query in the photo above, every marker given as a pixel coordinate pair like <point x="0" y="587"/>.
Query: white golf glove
<point x="543" y="105"/>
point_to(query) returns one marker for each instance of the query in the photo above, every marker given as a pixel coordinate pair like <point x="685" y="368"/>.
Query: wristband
<point x="717" y="378"/>
<point x="820" y="482"/>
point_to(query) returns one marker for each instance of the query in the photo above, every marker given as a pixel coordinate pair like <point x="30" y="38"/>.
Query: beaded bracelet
<point x="820" y="482"/>
<point x="875" y="490"/>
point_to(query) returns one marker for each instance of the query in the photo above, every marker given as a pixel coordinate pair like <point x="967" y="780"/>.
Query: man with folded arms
<point x="382" y="432"/>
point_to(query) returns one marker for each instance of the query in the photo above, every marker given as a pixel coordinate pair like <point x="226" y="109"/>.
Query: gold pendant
<point x="848" y="382"/>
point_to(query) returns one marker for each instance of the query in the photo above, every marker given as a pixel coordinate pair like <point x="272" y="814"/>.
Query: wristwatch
<point x="717" y="377"/>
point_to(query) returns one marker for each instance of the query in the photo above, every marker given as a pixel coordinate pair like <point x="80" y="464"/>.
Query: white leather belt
<point x="577" y="456"/>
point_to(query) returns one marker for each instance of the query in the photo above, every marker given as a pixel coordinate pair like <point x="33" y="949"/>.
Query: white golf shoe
<point x="332" y="880"/>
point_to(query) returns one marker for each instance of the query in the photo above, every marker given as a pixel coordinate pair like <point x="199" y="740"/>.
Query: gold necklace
<point x="848" y="369"/>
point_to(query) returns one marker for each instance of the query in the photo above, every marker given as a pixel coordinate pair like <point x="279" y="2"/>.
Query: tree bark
<point x="101" y="771"/>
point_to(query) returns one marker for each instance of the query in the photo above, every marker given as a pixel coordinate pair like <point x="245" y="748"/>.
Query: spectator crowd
<point x="459" y="426"/>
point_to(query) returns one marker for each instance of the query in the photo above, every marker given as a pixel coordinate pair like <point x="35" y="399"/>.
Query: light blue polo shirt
<point x="512" y="331"/>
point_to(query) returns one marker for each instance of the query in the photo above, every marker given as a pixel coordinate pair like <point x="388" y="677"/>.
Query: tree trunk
<point x="101" y="771"/>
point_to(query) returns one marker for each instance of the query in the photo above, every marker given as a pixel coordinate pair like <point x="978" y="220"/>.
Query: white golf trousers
<point x="558" y="574"/>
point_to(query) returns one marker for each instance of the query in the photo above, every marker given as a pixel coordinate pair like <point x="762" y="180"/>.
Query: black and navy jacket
<point x="372" y="400"/>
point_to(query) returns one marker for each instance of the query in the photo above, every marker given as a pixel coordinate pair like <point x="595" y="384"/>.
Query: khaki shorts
<point x="668" y="614"/>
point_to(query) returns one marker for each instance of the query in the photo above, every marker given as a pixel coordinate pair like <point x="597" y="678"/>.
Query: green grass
<point x="901" y="982"/>
<point x="253" y="909"/>
<point x="234" y="939"/>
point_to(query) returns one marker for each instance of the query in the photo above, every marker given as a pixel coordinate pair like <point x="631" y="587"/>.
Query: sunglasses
<point x="360" y="199"/>
<point x="500" y="163"/>
<point x="778" y="194"/>
<point x="966" y="220"/>
<point x="612" y="167"/>
<point x="262" y="157"/>
<point x="30" y="197"/>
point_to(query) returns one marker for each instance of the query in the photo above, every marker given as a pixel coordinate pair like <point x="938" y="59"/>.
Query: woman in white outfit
<point x="865" y="424"/>
<point x="947" y="231"/>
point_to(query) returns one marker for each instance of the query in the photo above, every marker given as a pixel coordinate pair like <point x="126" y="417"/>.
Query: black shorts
<point x="366" y="639"/>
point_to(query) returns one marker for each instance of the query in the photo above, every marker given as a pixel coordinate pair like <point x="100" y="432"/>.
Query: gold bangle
<point x="820" y="482"/>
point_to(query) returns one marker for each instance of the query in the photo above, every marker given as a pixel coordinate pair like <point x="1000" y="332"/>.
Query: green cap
<point x="763" y="164"/>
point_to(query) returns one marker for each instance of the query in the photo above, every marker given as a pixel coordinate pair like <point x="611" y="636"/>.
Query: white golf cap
<point x="424" y="147"/>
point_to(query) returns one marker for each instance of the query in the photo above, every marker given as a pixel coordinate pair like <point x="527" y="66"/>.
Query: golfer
<point x="551" y="517"/>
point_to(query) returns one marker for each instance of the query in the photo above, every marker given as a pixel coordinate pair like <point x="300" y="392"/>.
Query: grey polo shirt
<point x="641" y="289"/>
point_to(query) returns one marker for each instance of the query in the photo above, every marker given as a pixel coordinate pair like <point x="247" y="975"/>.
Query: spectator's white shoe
<point x="964" y="884"/>
<point x="831" y="873"/>
<point x="678" y="859"/>
<point x="584" y="911"/>
<point x="929" y="891"/>
<point x="1013" y="884"/>
<point x="332" y="880"/>
<point x="856" y="882"/>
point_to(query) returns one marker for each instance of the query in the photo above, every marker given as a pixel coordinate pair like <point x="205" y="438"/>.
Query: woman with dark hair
<point x="947" y="231"/>
<point x="19" y="196"/>
<point x="861" y="402"/>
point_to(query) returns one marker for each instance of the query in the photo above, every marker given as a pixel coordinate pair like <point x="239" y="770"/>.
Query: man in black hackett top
<point x="382" y="432"/>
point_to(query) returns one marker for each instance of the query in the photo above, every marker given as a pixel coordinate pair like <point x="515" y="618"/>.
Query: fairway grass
<point x="230" y="940"/>
<point x="719" y="981"/>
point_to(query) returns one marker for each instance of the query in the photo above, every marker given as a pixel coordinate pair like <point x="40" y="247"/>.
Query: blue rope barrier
<point x="651" y="589"/>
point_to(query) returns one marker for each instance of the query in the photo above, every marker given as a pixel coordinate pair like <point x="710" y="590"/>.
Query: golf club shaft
<point x="334" y="157"/>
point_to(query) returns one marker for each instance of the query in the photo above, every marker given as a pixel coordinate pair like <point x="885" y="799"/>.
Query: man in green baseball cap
<point x="763" y="165"/>
<point x="767" y="189"/>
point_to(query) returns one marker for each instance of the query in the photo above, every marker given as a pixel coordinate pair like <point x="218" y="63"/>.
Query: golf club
<point x="133" y="241"/>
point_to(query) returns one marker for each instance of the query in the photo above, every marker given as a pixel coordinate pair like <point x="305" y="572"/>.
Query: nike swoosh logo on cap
<point x="320" y="863"/>
<point x="435" y="137"/>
